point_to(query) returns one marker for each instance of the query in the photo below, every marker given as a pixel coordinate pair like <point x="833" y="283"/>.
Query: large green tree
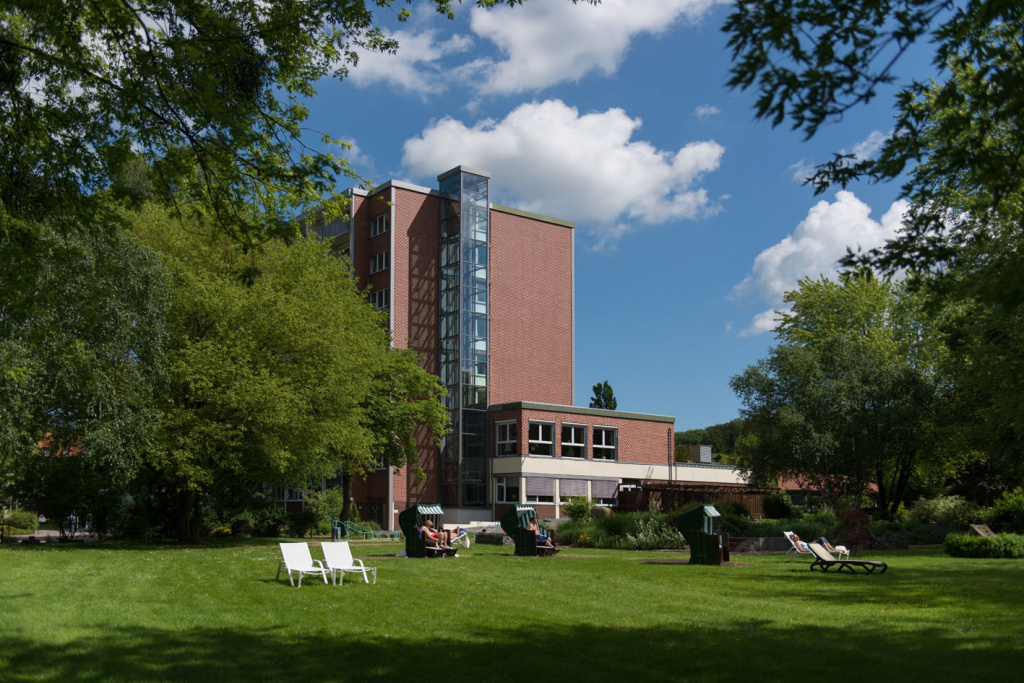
<point x="266" y="379"/>
<point x="850" y="393"/>
<point x="80" y="353"/>
<point x="957" y="144"/>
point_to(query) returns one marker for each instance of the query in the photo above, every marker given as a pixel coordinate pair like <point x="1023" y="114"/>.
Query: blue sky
<point x="691" y="217"/>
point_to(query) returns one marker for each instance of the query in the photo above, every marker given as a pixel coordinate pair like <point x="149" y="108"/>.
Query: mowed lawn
<point x="102" y="612"/>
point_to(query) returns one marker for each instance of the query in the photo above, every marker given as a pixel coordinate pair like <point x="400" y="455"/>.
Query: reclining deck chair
<point x="824" y="561"/>
<point x="338" y="557"/>
<point x="462" y="539"/>
<point x="296" y="559"/>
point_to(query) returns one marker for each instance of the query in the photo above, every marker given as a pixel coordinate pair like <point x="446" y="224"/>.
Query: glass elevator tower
<point x="464" y="246"/>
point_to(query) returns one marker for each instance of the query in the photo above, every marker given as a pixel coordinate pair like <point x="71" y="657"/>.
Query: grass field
<point x="102" y="612"/>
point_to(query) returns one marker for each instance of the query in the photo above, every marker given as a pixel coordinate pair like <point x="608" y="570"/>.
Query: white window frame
<point x="379" y="262"/>
<point x="539" y="441"/>
<point x="540" y="499"/>
<point x="379" y="299"/>
<point x="501" y="430"/>
<point x="581" y="429"/>
<point x="501" y="489"/>
<point x="602" y="447"/>
<point x="379" y="224"/>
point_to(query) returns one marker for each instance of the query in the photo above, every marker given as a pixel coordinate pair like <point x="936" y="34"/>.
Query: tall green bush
<point x="21" y="521"/>
<point x="327" y="505"/>
<point x="1008" y="511"/>
<point x="776" y="506"/>
<point x="578" y="507"/>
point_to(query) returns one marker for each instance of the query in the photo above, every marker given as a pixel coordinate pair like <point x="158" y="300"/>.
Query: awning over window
<point x="568" y="488"/>
<point x="603" y="488"/>
<point x="540" y="486"/>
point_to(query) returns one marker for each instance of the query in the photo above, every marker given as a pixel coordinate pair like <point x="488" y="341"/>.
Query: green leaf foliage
<point x="604" y="397"/>
<point x="848" y="396"/>
<point x="266" y="378"/>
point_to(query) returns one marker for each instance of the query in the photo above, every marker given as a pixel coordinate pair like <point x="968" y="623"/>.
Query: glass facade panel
<point x="463" y="285"/>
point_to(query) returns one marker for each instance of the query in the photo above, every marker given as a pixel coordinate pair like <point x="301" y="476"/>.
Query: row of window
<point x="540" y="439"/>
<point x="542" y="490"/>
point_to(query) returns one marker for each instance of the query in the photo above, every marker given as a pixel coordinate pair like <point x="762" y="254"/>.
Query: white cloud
<point x="414" y="67"/>
<point x="705" y="111"/>
<point x="548" y="158"/>
<point x="867" y="148"/>
<point x="813" y="249"/>
<point x="545" y="42"/>
<point x="802" y="170"/>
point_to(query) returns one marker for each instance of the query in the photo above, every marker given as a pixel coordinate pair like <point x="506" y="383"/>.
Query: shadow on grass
<point x="748" y="650"/>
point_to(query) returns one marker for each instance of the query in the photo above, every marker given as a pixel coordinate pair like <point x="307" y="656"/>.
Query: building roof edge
<point x="577" y="410"/>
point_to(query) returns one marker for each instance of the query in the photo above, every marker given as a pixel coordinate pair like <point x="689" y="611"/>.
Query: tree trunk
<point x="189" y="508"/>
<point x="346" y="492"/>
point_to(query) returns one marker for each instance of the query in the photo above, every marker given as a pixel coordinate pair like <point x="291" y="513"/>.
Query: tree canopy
<point x="209" y="93"/>
<point x="849" y="394"/>
<point x="604" y="397"/>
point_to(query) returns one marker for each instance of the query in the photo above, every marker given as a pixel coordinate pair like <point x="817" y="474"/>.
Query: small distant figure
<point x="542" y="539"/>
<point x="73" y="523"/>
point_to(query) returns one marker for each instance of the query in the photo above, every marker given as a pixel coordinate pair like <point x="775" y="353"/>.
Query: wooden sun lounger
<point x="824" y="560"/>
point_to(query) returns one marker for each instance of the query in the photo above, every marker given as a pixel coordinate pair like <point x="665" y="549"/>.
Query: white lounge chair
<point x="801" y="548"/>
<point x="462" y="539"/>
<point x="296" y="559"/>
<point x="340" y="562"/>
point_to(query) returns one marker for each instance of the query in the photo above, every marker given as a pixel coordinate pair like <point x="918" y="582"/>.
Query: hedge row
<point x="1001" y="546"/>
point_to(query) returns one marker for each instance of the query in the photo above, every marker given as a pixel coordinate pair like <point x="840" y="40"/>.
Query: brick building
<point x="485" y="294"/>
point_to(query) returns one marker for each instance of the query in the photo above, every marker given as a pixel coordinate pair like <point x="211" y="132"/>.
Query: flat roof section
<point x="577" y="410"/>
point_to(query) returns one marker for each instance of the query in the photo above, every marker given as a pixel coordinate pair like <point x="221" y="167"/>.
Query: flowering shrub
<point x="654" y="534"/>
<point x="952" y="511"/>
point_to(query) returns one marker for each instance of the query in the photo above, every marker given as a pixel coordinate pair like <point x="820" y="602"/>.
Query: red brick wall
<point x="414" y="260"/>
<point x="640" y="441"/>
<point x="414" y="304"/>
<point x="531" y="311"/>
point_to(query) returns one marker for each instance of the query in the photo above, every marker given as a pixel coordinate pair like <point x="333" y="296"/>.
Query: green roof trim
<point x="429" y="509"/>
<point x="535" y="216"/>
<point x="576" y="410"/>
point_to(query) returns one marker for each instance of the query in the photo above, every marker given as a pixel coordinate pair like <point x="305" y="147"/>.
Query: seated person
<point x="431" y="534"/>
<point x="448" y="535"/>
<point x="542" y="539"/>
<point x="800" y="544"/>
